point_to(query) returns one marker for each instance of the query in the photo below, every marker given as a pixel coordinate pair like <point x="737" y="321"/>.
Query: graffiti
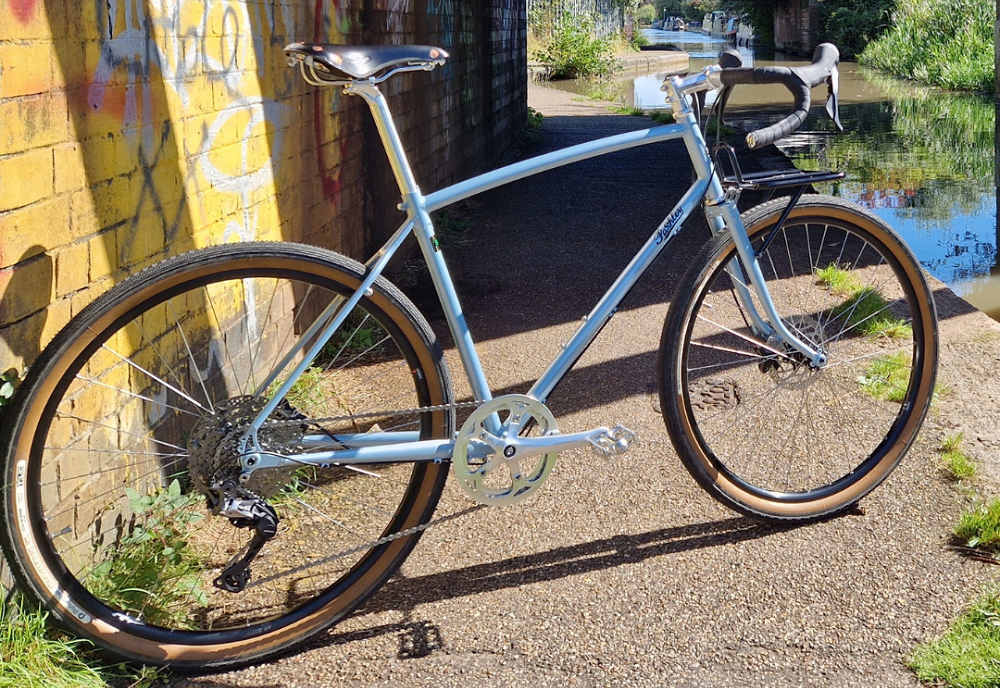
<point x="24" y="10"/>
<point x="394" y="19"/>
<point x="151" y="202"/>
<point x="192" y="44"/>
<point x="331" y="25"/>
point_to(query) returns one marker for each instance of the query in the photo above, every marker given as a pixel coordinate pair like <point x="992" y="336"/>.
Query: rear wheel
<point x="136" y="409"/>
<point x="754" y="423"/>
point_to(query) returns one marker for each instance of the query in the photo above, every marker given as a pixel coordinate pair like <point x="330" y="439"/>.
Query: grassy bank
<point x="947" y="43"/>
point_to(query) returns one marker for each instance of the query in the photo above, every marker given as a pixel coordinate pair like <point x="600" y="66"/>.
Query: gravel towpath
<point x="623" y="572"/>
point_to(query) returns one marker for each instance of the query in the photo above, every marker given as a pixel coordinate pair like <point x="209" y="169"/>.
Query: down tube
<point x="606" y="307"/>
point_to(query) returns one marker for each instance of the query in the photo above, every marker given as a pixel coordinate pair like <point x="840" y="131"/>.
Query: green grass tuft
<point x="887" y="377"/>
<point x="967" y="654"/>
<point x="35" y="655"/>
<point x="864" y="308"/>
<point x="628" y="110"/>
<point x="979" y="527"/>
<point x="955" y="462"/>
<point x="837" y="280"/>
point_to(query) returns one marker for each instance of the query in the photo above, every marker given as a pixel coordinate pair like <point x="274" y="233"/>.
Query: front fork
<point x="744" y="272"/>
<point x="723" y="216"/>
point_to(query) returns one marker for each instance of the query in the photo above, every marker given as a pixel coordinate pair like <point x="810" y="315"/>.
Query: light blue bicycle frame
<point x="406" y="446"/>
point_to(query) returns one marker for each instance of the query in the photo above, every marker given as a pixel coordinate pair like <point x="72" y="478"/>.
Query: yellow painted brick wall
<point x="131" y="130"/>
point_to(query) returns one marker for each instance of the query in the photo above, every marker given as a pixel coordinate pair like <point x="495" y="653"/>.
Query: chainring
<point x="502" y="477"/>
<point x="214" y="445"/>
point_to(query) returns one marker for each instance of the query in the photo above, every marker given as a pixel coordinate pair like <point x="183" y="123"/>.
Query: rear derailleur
<point x="244" y="509"/>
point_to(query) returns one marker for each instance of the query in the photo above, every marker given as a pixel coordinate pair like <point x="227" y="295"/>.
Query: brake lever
<point x="833" y="97"/>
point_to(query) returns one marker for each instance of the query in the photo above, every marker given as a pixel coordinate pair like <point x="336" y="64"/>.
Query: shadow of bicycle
<point x="421" y="638"/>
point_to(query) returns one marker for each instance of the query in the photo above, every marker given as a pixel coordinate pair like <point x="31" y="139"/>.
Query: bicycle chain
<point x="387" y="538"/>
<point x="373" y="544"/>
<point x="378" y="414"/>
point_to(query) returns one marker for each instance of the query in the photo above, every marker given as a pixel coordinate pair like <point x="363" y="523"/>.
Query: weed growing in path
<point x="956" y="463"/>
<point x="966" y="655"/>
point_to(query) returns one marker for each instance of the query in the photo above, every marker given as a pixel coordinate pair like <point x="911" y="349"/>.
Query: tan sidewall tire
<point x="28" y="412"/>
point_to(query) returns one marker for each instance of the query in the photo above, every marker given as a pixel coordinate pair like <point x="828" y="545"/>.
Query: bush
<point x="948" y="43"/>
<point x="645" y="15"/>
<point x="852" y="24"/>
<point x="573" y="51"/>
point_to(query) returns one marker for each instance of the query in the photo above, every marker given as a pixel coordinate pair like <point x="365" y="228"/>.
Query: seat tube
<point x="415" y="206"/>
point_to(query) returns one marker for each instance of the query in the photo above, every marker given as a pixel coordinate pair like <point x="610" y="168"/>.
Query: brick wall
<point x="131" y="130"/>
<point x="134" y="129"/>
<point x="795" y="23"/>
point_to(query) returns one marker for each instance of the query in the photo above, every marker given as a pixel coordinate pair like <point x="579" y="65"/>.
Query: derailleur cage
<point x="244" y="510"/>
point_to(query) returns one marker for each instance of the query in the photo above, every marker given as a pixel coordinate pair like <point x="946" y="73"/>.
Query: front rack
<point x="768" y="181"/>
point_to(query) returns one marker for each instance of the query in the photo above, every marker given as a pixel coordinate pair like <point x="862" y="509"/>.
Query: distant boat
<point x="731" y="28"/>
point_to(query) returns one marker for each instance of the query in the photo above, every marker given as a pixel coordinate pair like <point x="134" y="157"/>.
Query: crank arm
<point x="546" y="444"/>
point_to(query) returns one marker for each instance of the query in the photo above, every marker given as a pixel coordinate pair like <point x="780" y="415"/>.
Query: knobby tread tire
<point x="28" y="549"/>
<point x="710" y="471"/>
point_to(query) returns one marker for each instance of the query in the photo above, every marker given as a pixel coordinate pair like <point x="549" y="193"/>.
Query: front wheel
<point x="758" y="427"/>
<point x="134" y="415"/>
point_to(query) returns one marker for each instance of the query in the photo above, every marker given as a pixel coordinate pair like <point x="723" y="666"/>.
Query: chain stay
<point x="379" y="414"/>
<point x="388" y="538"/>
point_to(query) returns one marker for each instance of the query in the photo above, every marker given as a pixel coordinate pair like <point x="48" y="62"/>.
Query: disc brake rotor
<point x="489" y="467"/>
<point x="794" y="372"/>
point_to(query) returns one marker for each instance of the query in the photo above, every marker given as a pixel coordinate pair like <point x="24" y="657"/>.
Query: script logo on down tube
<point x="666" y="230"/>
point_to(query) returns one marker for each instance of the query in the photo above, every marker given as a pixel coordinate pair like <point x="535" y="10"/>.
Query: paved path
<point x="624" y="572"/>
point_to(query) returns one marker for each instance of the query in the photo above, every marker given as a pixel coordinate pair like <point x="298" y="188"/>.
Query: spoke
<point x="114" y="468"/>
<point x="159" y="354"/>
<point x="61" y="414"/>
<point x="280" y="350"/>
<point x="738" y="352"/>
<point x="855" y="359"/>
<point x="812" y="266"/>
<point x="225" y="346"/>
<point x="346" y="499"/>
<point x="117" y="452"/>
<point x="331" y="519"/>
<point x="157" y="379"/>
<point x="746" y="338"/>
<point x="76" y="505"/>
<point x="822" y="243"/>
<point x="369" y="349"/>
<point x="137" y="396"/>
<point x="187" y="346"/>
<point x="402" y="425"/>
<point x="844" y="330"/>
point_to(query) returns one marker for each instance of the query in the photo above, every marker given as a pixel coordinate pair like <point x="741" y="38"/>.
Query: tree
<point x="646" y="15"/>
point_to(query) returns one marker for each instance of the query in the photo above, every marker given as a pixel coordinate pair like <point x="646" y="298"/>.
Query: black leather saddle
<point x="363" y="61"/>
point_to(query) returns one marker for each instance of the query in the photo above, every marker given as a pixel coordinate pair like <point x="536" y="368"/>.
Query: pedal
<point x="614" y="442"/>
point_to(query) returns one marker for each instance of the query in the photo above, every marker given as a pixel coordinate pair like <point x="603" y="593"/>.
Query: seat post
<point x="390" y="138"/>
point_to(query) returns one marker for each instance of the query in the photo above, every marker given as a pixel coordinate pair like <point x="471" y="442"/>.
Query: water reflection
<point x="923" y="160"/>
<point x="920" y="158"/>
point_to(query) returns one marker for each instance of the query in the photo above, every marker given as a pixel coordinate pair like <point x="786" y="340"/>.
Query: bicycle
<point x="287" y="395"/>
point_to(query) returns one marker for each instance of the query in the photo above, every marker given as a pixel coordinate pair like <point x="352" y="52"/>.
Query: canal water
<point x="920" y="158"/>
